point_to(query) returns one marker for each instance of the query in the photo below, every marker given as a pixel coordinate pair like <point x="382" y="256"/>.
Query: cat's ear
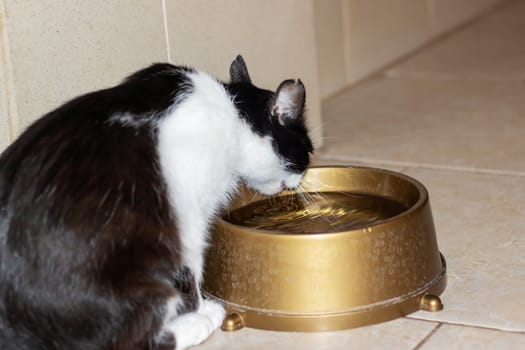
<point x="239" y="71"/>
<point x="288" y="103"/>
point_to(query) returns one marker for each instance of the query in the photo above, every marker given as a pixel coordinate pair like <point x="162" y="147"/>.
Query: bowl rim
<point x="421" y="202"/>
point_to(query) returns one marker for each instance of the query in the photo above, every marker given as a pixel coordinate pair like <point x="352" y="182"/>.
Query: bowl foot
<point x="431" y="302"/>
<point x="232" y="322"/>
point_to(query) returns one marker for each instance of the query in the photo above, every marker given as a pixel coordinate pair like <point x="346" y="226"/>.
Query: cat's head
<point x="276" y="151"/>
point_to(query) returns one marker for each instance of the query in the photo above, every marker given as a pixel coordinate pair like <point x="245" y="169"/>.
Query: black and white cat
<point x="105" y="205"/>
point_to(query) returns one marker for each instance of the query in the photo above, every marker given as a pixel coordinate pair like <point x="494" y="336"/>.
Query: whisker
<point x="310" y="201"/>
<point x="317" y="197"/>
<point x="318" y="211"/>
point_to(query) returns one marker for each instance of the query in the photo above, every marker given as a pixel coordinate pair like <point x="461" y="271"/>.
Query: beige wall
<point x="6" y="129"/>
<point x="53" y="50"/>
<point x="330" y="38"/>
<point x="358" y="37"/>
<point x="276" y="38"/>
<point x="57" y="49"/>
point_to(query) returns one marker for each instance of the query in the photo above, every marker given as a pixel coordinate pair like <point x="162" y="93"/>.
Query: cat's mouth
<point x="292" y="181"/>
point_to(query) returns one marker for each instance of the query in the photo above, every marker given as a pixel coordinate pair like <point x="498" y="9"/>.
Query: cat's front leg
<point x="190" y="318"/>
<point x="194" y="327"/>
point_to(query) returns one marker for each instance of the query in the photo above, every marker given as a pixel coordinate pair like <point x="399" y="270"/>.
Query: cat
<point x="106" y="203"/>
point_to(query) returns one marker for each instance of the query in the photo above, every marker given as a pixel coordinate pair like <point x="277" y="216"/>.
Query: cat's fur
<point x="105" y="205"/>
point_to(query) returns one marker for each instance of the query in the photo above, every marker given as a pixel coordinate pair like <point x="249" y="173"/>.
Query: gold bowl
<point x="354" y="246"/>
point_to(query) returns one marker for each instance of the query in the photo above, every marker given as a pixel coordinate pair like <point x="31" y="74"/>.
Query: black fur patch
<point x="291" y="141"/>
<point x="184" y="281"/>
<point x="88" y="242"/>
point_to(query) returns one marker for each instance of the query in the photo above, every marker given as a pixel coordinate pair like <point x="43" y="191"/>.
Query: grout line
<point x="166" y="30"/>
<point x="457" y="324"/>
<point x="463" y="169"/>
<point x="7" y="84"/>
<point x="427" y="337"/>
<point x="395" y="73"/>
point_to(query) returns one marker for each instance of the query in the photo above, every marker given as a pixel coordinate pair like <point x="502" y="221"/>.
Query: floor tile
<point x="479" y="221"/>
<point x="464" y="124"/>
<point x="399" y="334"/>
<point x="464" y="338"/>
<point x="487" y="49"/>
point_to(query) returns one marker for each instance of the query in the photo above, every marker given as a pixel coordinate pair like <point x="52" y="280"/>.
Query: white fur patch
<point x="205" y="148"/>
<point x="197" y="156"/>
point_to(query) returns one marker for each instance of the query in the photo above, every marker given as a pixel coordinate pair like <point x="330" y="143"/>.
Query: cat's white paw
<point x="195" y="327"/>
<point x="214" y="311"/>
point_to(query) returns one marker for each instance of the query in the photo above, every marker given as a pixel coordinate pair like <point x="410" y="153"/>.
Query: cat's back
<point x="81" y="192"/>
<point x="97" y="122"/>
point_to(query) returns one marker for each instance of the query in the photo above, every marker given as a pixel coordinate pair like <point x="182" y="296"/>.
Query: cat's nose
<point x="283" y="186"/>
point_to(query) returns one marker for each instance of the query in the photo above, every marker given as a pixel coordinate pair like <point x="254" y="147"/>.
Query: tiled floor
<point x="452" y="116"/>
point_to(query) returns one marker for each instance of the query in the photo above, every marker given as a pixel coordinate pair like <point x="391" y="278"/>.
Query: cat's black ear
<point x="288" y="103"/>
<point x="239" y="71"/>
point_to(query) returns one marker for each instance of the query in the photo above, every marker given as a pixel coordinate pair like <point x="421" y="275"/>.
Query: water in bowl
<point x="316" y="212"/>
